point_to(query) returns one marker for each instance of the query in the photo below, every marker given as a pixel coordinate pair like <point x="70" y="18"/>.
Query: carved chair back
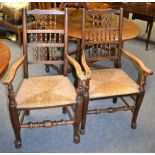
<point x="102" y="35"/>
<point x="45" y="37"/>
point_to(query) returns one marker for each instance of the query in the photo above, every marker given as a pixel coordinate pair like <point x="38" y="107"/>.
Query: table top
<point x="143" y="8"/>
<point x="4" y="59"/>
<point x="130" y="29"/>
<point x="147" y="9"/>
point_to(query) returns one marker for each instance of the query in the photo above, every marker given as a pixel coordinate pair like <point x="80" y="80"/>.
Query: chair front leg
<point x="47" y="68"/>
<point x="14" y="117"/>
<point x="85" y="108"/>
<point x="139" y="100"/>
<point x="78" y="113"/>
<point x="15" y="125"/>
<point x="142" y="82"/>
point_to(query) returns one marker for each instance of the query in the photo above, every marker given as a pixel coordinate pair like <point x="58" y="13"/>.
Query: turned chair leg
<point x="139" y="100"/>
<point x="64" y="110"/>
<point x="61" y="69"/>
<point x="78" y="118"/>
<point x="115" y="100"/>
<point x="27" y="112"/>
<point x="16" y="126"/>
<point x="84" y="113"/>
<point x="47" y="68"/>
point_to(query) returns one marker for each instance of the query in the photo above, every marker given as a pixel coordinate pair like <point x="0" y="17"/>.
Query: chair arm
<point x="85" y="66"/>
<point x="13" y="69"/>
<point x="77" y="67"/>
<point x="138" y="62"/>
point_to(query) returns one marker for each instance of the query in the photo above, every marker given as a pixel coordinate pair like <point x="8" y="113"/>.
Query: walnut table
<point x="4" y="59"/>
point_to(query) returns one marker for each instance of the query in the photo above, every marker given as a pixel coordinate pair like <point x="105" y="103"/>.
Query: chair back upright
<point x="102" y="35"/>
<point x="46" y="40"/>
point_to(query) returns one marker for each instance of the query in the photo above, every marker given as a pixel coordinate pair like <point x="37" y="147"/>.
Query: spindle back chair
<point x="40" y="92"/>
<point x="102" y="41"/>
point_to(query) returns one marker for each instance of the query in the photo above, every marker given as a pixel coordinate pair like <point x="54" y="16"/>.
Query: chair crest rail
<point x="36" y="11"/>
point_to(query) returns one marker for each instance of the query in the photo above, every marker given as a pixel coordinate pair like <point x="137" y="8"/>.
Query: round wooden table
<point x="4" y="59"/>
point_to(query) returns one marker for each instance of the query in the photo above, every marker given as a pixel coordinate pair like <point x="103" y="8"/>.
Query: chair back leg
<point x="115" y="100"/>
<point x="64" y="110"/>
<point x="27" y="112"/>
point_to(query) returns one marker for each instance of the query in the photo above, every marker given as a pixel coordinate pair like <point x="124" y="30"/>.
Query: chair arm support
<point x="77" y="67"/>
<point x="138" y="62"/>
<point x="13" y="69"/>
<point x="85" y="66"/>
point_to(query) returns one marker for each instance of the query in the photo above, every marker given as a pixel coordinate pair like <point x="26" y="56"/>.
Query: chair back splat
<point x="102" y="37"/>
<point x="49" y="42"/>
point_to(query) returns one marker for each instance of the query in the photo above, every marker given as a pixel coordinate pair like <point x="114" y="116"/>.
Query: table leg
<point x="149" y="34"/>
<point x="126" y="14"/>
<point x="147" y="26"/>
<point x="19" y="38"/>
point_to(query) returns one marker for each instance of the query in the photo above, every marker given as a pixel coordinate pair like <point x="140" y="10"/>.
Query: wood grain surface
<point x="4" y="59"/>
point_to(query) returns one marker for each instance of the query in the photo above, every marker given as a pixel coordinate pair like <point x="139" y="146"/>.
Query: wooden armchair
<point x="102" y="40"/>
<point x="41" y="92"/>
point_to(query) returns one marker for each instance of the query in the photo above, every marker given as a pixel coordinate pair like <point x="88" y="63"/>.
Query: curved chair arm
<point x="77" y="67"/>
<point x="138" y="62"/>
<point x="85" y="66"/>
<point x="13" y="69"/>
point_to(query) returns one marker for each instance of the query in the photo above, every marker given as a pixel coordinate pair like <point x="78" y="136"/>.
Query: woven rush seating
<point x="45" y="91"/>
<point x="111" y="82"/>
